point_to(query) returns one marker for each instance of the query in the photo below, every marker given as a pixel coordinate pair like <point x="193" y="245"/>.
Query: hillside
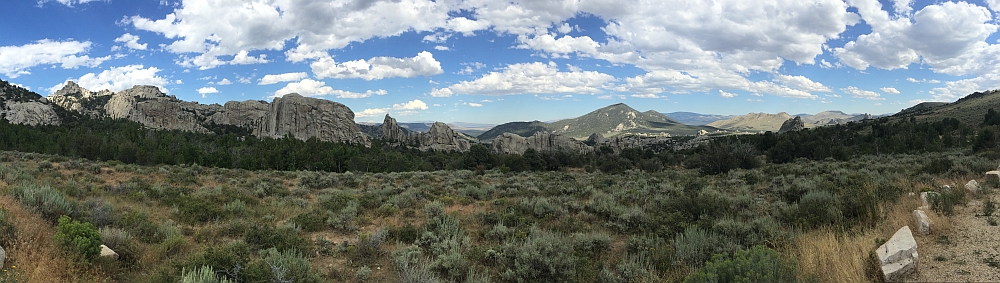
<point x="619" y="119"/>
<point x="753" y="122"/>
<point x="524" y="129"/>
<point x="696" y="119"/>
<point x="970" y="109"/>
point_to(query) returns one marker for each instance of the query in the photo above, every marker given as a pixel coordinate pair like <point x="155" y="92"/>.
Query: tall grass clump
<point x="49" y="202"/>
<point x="945" y="200"/>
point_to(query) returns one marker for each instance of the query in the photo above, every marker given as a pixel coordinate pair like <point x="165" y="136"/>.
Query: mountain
<point x="753" y="122"/>
<point x="471" y="129"/>
<point x="620" y="119"/>
<point x="21" y="106"/>
<point x="524" y="129"/>
<point x="696" y="119"/>
<point x="831" y="118"/>
<point x="969" y="109"/>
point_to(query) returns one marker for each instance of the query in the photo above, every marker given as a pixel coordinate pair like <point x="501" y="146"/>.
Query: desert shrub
<point x="369" y="245"/>
<point x="310" y="221"/>
<point x="631" y="268"/>
<point x="541" y="257"/>
<point x="720" y="157"/>
<point x="631" y="220"/>
<point x="591" y="244"/>
<point x="543" y="207"/>
<point x="203" y="274"/>
<point x="945" y="200"/>
<point x="99" y="212"/>
<point x="937" y="166"/>
<point x="284" y="266"/>
<point x="695" y="246"/>
<point x="758" y="264"/>
<point x="656" y="249"/>
<point x="230" y="260"/>
<point x="989" y="207"/>
<point x="408" y="261"/>
<point x="263" y="236"/>
<point x="434" y="209"/>
<point x="139" y="225"/>
<point x="818" y="208"/>
<point x="80" y="239"/>
<point x="363" y="273"/>
<point x="344" y="220"/>
<point x="45" y="200"/>
<point x="406" y="233"/>
<point x="121" y="242"/>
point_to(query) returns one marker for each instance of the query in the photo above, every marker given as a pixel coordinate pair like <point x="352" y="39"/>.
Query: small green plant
<point x="203" y="274"/>
<point x="940" y="258"/>
<point x="989" y="207"/>
<point x="363" y="273"/>
<point x="944" y="202"/>
<point x="11" y="275"/>
<point x="78" y="238"/>
<point x="758" y="264"/>
<point x="992" y="221"/>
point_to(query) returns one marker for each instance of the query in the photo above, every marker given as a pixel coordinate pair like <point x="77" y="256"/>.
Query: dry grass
<point x="36" y="255"/>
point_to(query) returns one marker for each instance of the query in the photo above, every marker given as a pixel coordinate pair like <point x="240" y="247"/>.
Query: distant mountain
<point x="831" y="118"/>
<point x="416" y="127"/>
<point x="619" y="119"/>
<point x="696" y="119"/>
<point x="753" y="122"/>
<point x="524" y="129"/>
<point x="471" y="129"/>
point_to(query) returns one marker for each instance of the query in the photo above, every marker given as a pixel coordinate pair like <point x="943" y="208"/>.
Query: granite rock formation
<point x="792" y="125"/>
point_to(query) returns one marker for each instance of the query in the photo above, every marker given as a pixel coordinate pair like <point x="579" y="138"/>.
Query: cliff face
<point x="509" y="143"/>
<point x="20" y="106"/>
<point x="792" y="125"/>
<point x="293" y="115"/>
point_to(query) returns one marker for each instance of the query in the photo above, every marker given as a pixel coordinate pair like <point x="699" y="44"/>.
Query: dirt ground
<point x="967" y="251"/>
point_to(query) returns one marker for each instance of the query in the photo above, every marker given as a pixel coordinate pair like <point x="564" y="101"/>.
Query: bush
<point x="759" y="264"/>
<point x="369" y="246"/>
<point x="542" y="257"/>
<point x="591" y="244"/>
<point x="944" y="201"/>
<point x="695" y="246"/>
<point x="78" y="238"/>
<point x="818" y="208"/>
<point x="203" y="274"/>
<point x="285" y="266"/>
<point x="720" y="157"/>
<point x="344" y="219"/>
<point x="8" y="233"/>
<point x="44" y="199"/>
<point x="262" y="236"/>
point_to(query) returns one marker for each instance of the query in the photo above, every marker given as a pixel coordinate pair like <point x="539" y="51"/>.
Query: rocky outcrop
<point x="442" y="138"/>
<point x="793" y="124"/>
<point x="898" y="256"/>
<point x="391" y="130"/>
<point x="509" y="143"/>
<point x="304" y="118"/>
<point x="972" y="186"/>
<point x="32" y="113"/>
<point x="290" y="115"/>
<point x="993" y="176"/>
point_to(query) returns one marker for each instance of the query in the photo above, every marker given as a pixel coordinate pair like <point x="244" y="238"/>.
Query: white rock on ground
<point x="107" y="252"/>
<point x="923" y="222"/>
<point x="972" y="186"/>
<point x="925" y="200"/>
<point x="3" y="257"/>
<point x="898" y="256"/>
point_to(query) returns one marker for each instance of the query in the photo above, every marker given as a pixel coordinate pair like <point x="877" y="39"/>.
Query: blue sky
<point x="487" y="61"/>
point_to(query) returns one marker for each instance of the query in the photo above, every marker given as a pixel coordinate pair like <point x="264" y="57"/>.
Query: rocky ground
<point x="967" y="251"/>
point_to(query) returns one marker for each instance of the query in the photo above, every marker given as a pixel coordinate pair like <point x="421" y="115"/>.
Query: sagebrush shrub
<point x="44" y="199"/>
<point x="695" y="246"/>
<point x="945" y="200"/>
<point x="758" y="264"/>
<point x="203" y="274"/>
<point x="542" y="257"/>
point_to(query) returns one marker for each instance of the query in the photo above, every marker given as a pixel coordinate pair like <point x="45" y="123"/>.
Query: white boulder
<point x="992" y="175"/>
<point x="923" y="222"/>
<point x="972" y="186"/>
<point x="898" y="256"/>
<point x="107" y="252"/>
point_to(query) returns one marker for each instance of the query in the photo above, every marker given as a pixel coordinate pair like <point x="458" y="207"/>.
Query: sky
<point x="485" y="61"/>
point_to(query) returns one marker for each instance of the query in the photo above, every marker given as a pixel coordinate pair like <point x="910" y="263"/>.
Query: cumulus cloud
<point x="130" y="41"/>
<point x="473" y="104"/>
<point x="308" y="87"/>
<point x="207" y="90"/>
<point x="244" y="58"/>
<point x="534" y="78"/>
<point x="441" y="92"/>
<point x="377" y="68"/>
<point x="17" y="60"/>
<point x="224" y="81"/>
<point x="801" y="83"/>
<point x="278" y="78"/>
<point x="890" y="90"/>
<point x="860" y="93"/>
<point x="415" y="104"/>
<point x="371" y="112"/>
<point x="441" y="48"/>
<point x="69" y="3"/>
<point x="725" y="94"/>
<point x="645" y="95"/>
<point x="120" y="78"/>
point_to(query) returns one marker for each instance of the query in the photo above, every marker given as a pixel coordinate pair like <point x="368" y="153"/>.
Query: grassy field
<point x="170" y="223"/>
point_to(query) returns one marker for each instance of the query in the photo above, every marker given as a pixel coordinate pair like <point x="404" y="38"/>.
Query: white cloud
<point x="17" y="60"/>
<point x="376" y="68"/>
<point x="725" y="94"/>
<point x="130" y="41"/>
<point x="441" y="48"/>
<point x="224" y="81"/>
<point x="890" y="90"/>
<point x="993" y="4"/>
<point x="120" y="78"/>
<point x="646" y="95"/>
<point x="860" y="93"/>
<point x="801" y="83"/>
<point x="371" y="112"/>
<point x="309" y="87"/>
<point x="441" y="92"/>
<point x="207" y="90"/>
<point x="532" y="78"/>
<point x="286" y="77"/>
<point x="415" y="104"/>
<point x="243" y="58"/>
<point x="473" y="104"/>
<point x="69" y="3"/>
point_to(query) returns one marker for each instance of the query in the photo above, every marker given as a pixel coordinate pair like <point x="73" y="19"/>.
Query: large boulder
<point x="923" y="222"/>
<point x="443" y="138"/>
<point x="391" y="130"/>
<point x="305" y="117"/>
<point x="898" y="256"/>
<point x="509" y="143"/>
<point x="992" y="176"/>
<point x="31" y="113"/>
